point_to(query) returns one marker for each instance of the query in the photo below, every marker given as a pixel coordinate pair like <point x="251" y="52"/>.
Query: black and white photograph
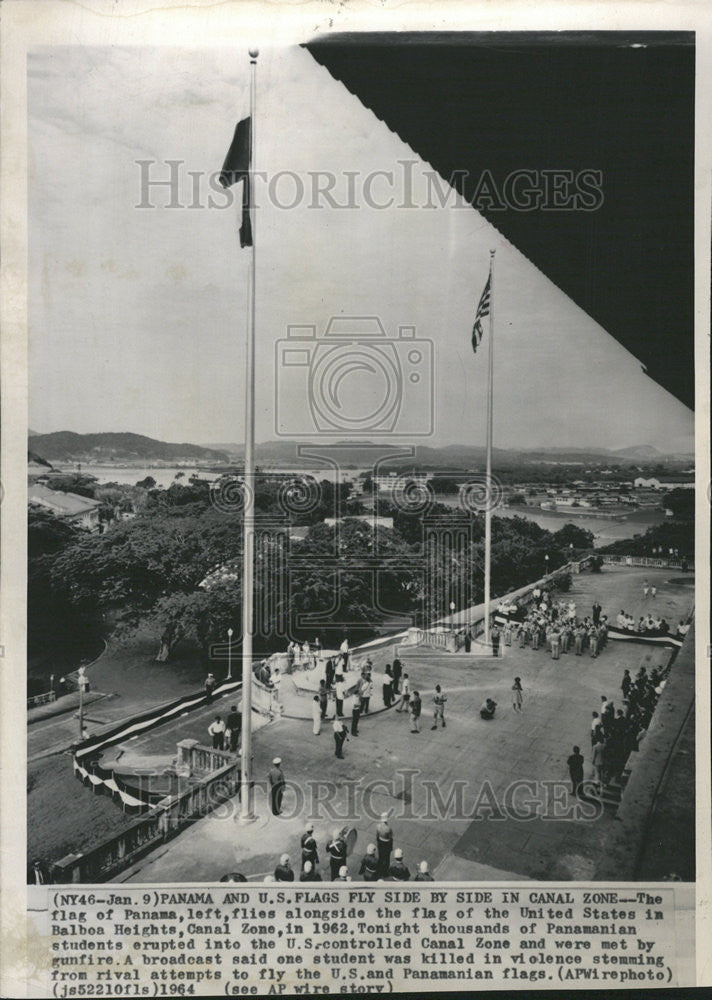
<point x="362" y="507"/>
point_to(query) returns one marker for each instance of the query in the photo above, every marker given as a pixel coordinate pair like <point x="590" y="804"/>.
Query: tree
<point x="681" y="502"/>
<point x="572" y="534"/>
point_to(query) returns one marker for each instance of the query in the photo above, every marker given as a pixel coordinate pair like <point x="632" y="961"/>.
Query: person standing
<point x="309" y="873"/>
<point x="555" y="642"/>
<point x="439" y="711"/>
<point x="276" y="786"/>
<point x="399" y="871"/>
<point x="507" y="641"/>
<point x="336" y="849"/>
<point x="653" y="590"/>
<point x="210" y="685"/>
<point x="369" y="865"/>
<point x="517" y="695"/>
<point x="494" y="635"/>
<point x="366" y="690"/>
<point x="276" y="681"/>
<point x="330" y="673"/>
<point x="355" y="715"/>
<point x="397" y="673"/>
<point x="339" y="695"/>
<point x="309" y="848"/>
<point x="216" y="729"/>
<point x="596" y="609"/>
<point x="578" y="640"/>
<point x="403" y="704"/>
<point x="388" y="686"/>
<point x="344" y="651"/>
<point x="234" y="724"/>
<point x="416" y="707"/>
<point x="575" y="766"/>
<point x="468" y="641"/>
<point x="284" y="872"/>
<point x="423" y="873"/>
<point x="384" y="843"/>
<point x="626" y="684"/>
<point x="323" y="697"/>
<point x="316" y="716"/>
<point x="593" y="641"/>
<point x="646" y="588"/>
<point x="340" y="735"/>
<point x="597" y="762"/>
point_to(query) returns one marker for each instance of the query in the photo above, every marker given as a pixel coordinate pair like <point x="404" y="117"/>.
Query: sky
<point x="138" y="314"/>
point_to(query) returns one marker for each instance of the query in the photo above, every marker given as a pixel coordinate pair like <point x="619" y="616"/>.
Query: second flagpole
<point x="248" y="546"/>
<point x="489" y="491"/>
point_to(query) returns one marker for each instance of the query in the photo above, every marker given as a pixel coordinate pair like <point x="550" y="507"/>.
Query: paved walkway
<point x="470" y="763"/>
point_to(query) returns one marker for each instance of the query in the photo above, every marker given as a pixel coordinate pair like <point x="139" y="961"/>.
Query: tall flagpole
<point x="489" y="490"/>
<point x="248" y="545"/>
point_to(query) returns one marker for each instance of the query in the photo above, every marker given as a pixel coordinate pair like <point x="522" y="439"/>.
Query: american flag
<point x="482" y="310"/>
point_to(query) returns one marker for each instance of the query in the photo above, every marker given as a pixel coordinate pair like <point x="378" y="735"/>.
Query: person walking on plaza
<point x="653" y="590"/>
<point x="398" y="870"/>
<point x="575" y="766"/>
<point x="646" y="588"/>
<point x="341" y="734"/>
<point x="355" y="715"/>
<point x="276" y="786"/>
<point x="210" y="685"/>
<point x="439" y="711"/>
<point x="404" y="694"/>
<point x="388" y="686"/>
<point x="397" y="673"/>
<point x="384" y="842"/>
<point x="284" y="871"/>
<point x="517" y="695"/>
<point x="216" y="729"/>
<point x="234" y="724"/>
<point x="309" y="848"/>
<point x="339" y="695"/>
<point x="336" y="849"/>
<point x="323" y="697"/>
<point x="423" y="873"/>
<point x="416" y="706"/>
<point x="369" y="865"/>
<point x="316" y="715"/>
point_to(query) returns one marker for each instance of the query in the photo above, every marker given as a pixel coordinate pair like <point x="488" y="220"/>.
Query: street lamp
<point x="546" y="564"/>
<point x="229" y="654"/>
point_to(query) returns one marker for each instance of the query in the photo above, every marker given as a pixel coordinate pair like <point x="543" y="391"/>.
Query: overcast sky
<point x="138" y="315"/>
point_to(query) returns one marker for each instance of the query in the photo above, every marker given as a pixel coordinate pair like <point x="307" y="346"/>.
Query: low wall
<point x="649" y="561"/>
<point x="622" y="851"/>
<point x="162" y="822"/>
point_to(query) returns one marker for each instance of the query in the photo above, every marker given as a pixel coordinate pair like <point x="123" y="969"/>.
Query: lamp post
<point x="546" y="564"/>
<point x="229" y="654"/>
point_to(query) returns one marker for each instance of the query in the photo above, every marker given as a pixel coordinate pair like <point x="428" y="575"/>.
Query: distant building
<point x="380" y="522"/>
<point x="82" y="511"/>
<point x="665" y="483"/>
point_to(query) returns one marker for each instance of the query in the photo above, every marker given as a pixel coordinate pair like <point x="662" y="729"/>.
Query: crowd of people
<point x="615" y="733"/>
<point x="650" y="624"/>
<point x="382" y="862"/>
<point x="551" y="624"/>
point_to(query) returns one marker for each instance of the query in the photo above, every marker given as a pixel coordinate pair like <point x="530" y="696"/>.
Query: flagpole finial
<point x="254" y="53"/>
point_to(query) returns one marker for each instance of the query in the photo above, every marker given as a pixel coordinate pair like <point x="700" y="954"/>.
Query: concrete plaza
<point x="389" y="769"/>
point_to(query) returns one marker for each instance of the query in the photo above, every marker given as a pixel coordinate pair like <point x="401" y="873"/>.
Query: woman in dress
<point x="517" y="695"/>
<point x="316" y="715"/>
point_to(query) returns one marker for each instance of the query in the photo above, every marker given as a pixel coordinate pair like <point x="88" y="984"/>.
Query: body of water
<point x="165" y="475"/>
<point x="605" y="530"/>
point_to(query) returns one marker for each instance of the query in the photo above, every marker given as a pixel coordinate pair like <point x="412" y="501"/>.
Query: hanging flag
<point x="482" y="310"/>
<point x="237" y="168"/>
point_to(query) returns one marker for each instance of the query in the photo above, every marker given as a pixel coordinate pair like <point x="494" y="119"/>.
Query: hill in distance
<point x="454" y="456"/>
<point x="66" y="446"/>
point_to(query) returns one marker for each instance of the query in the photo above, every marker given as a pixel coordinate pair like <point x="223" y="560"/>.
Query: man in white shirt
<point x="216" y="729"/>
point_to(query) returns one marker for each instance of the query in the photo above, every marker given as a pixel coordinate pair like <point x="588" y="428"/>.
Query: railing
<point x="41" y="699"/>
<point x="653" y="562"/>
<point x="164" y="820"/>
